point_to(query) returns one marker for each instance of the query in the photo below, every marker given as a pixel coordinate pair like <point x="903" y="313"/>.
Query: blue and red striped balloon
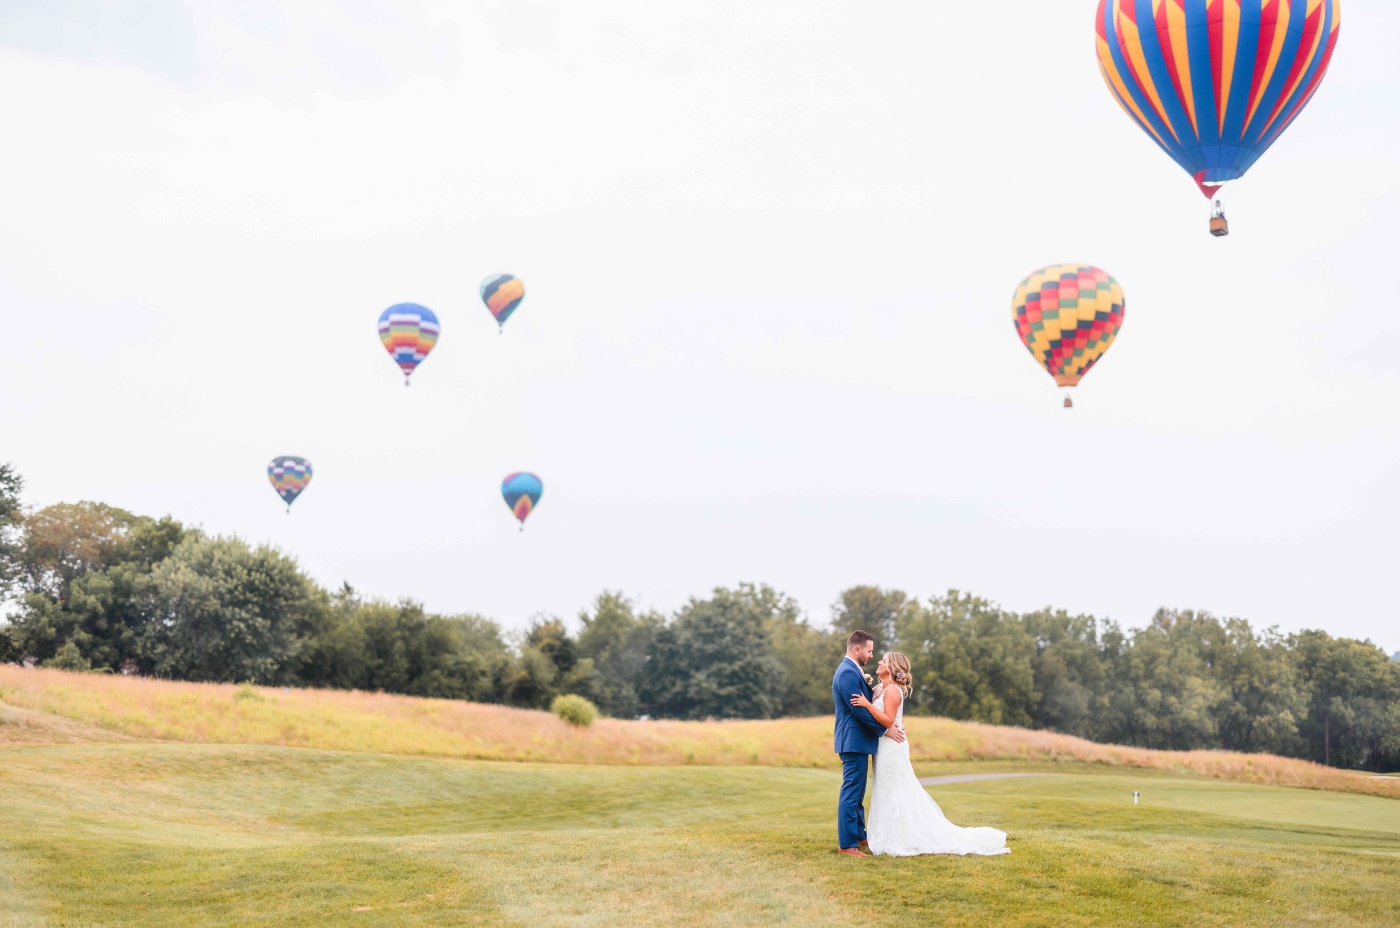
<point x="1215" y="82"/>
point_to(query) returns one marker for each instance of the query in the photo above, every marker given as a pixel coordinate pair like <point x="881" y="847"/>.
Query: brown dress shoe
<point x="866" y="847"/>
<point x="853" y="852"/>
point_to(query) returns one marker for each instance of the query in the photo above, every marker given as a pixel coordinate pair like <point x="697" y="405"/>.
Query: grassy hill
<point x="79" y="707"/>
<point x="266" y="807"/>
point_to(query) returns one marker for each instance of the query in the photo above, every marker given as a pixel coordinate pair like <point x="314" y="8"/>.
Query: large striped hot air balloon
<point x="409" y="332"/>
<point x="502" y="293"/>
<point x="1215" y="82"/>
<point x="522" y="492"/>
<point x="1067" y="315"/>
<point x="289" y="476"/>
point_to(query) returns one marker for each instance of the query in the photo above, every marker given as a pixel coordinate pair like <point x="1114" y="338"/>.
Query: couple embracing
<point x="904" y="819"/>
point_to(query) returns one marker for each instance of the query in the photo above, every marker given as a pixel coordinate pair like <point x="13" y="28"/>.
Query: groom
<point x="857" y="738"/>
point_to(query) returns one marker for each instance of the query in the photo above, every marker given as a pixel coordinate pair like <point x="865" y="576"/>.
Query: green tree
<point x="11" y="531"/>
<point x="808" y="655"/>
<point x="222" y="611"/>
<point x="85" y="571"/>
<point x="531" y="679"/>
<point x="69" y="658"/>
<point x="871" y="609"/>
<point x="970" y="660"/>
<point x="1353" y="691"/>
<point x="400" y="648"/>
<point x="616" y="638"/>
<point x="1164" y="692"/>
<point x="548" y="665"/>
<point x="68" y="540"/>
<point x="1070" y="668"/>
<point x="715" y="660"/>
<point x="1263" y="700"/>
<point x="334" y="644"/>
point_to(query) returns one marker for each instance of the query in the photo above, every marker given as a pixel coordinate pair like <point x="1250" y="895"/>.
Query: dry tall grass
<point x="353" y="721"/>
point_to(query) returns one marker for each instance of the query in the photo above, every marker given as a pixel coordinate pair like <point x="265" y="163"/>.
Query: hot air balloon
<point x="289" y="476"/>
<point x="409" y="332"/>
<point x="522" y="492"/>
<point x="1215" y="82"/>
<point x="1067" y="315"/>
<point x="502" y="293"/>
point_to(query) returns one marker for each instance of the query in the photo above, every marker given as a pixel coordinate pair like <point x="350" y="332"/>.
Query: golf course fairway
<point x="139" y="834"/>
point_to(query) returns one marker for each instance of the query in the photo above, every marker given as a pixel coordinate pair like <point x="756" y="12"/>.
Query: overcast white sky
<point x="769" y="250"/>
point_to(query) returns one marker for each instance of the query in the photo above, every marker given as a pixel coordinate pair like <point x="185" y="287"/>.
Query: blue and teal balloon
<point x="522" y="493"/>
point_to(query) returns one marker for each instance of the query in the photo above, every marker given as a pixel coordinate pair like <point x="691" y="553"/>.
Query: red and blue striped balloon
<point x="1215" y="82"/>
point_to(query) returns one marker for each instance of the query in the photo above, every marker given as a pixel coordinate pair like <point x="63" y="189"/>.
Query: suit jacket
<point x="857" y="732"/>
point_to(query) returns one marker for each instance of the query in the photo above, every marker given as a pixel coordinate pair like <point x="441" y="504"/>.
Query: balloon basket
<point x="1069" y="402"/>
<point x="1219" y="227"/>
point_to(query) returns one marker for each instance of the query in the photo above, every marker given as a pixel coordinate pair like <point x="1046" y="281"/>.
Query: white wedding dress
<point x="904" y="819"/>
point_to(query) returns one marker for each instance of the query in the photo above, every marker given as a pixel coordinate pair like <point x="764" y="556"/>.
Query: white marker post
<point x="1135" y="795"/>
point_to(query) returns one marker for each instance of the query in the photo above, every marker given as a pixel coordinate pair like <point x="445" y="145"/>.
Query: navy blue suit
<point x="857" y="737"/>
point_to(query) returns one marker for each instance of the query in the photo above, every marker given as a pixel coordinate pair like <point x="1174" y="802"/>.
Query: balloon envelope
<point x="409" y="332"/>
<point x="522" y="492"/>
<point x="1214" y="82"/>
<point x="1067" y="315"/>
<point x="289" y="476"/>
<point x="502" y="293"/>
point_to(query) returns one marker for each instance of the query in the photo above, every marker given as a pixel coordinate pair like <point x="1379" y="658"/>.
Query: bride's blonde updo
<point x="900" y="672"/>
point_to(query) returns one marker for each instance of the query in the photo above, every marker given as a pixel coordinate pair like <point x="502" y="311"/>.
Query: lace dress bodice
<point x="899" y="713"/>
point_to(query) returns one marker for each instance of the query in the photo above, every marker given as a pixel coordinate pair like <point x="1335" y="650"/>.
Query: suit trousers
<point x="850" y="813"/>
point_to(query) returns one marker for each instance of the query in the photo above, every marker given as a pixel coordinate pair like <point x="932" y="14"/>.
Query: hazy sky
<point x="769" y="249"/>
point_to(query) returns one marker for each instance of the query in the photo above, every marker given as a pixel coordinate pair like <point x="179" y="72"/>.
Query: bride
<point x="904" y="819"/>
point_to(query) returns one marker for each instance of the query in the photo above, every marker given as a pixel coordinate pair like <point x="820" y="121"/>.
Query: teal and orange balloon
<point x="1215" y="82"/>
<point x="289" y="476"/>
<point x="502" y="294"/>
<point x="522" y="493"/>
<point x="409" y="332"/>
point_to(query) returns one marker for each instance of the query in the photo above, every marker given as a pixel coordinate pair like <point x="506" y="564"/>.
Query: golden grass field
<point x="83" y="707"/>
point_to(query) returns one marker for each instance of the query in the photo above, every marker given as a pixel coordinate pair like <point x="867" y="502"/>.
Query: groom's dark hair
<point x="858" y="639"/>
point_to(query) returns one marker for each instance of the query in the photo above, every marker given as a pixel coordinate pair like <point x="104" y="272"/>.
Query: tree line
<point x="93" y="587"/>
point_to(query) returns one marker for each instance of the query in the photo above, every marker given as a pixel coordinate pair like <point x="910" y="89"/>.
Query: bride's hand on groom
<point x="860" y="702"/>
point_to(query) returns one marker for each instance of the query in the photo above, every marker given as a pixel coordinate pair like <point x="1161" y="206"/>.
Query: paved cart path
<point x="970" y="777"/>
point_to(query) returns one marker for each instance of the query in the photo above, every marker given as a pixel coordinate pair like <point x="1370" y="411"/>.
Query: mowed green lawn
<point x="166" y="834"/>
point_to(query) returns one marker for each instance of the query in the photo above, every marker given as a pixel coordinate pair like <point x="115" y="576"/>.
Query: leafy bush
<point x="247" y="691"/>
<point x="574" y="709"/>
<point x="69" y="658"/>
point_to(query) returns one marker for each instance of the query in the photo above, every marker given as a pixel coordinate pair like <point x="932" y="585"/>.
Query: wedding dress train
<point x="904" y="819"/>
